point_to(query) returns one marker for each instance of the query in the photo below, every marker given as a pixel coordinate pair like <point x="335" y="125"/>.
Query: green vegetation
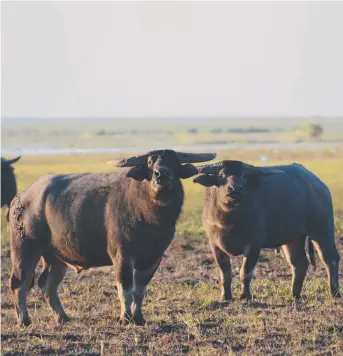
<point x="182" y="303"/>
<point x="102" y="133"/>
<point x="327" y="163"/>
<point x="313" y="130"/>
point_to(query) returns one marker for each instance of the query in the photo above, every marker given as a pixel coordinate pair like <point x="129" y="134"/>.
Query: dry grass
<point x="183" y="314"/>
<point x="181" y="307"/>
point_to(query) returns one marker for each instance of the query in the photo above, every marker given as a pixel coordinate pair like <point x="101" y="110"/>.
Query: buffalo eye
<point x="150" y="161"/>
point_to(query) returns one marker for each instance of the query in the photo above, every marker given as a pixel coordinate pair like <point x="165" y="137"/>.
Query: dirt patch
<point x="183" y="312"/>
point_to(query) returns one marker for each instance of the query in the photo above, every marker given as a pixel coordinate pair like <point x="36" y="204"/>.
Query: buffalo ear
<point x="206" y="180"/>
<point x="187" y="171"/>
<point x="137" y="173"/>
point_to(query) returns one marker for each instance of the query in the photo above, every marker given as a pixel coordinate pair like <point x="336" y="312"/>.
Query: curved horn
<point x="195" y="157"/>
<point x="129" y="162"/>
<point x="11" y="161"/>
<point x="261" y="171"/>
<point x="210" y="168"/>
<point x="183" y="158"/>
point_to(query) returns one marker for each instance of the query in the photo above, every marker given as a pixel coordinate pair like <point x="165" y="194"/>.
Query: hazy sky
<point x="93" y="59"/>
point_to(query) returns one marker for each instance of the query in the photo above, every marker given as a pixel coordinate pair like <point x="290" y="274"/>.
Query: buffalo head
<point x="8" y="182"/>
<point x="230" y="178"/>
<point x="162" y="168"/>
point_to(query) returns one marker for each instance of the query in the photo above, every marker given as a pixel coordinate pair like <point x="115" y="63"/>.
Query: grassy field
<point x="181" y="307"/>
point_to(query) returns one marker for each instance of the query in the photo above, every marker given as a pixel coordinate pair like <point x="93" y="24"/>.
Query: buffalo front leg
<point x="124" y="275"/>
<point x="225" y="273"/>
<point x="247" y="270"/>
<point x="24" y="260"/>
<point x="141" y="279"/>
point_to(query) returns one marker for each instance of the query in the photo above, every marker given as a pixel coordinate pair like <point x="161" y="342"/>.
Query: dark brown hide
<point x="124" y="218"/>
<point x="8" y="182"/>
<point x="248" y="208"/>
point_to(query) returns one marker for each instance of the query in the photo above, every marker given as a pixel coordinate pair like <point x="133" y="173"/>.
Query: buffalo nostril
<point x="236" y="189"/>
<point x="230" y="190"/>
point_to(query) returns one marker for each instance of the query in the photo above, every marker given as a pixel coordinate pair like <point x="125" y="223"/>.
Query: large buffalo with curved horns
<point x="8" y="181"/>
<point x="125" y="219"/>
<point x="248" y="208"/>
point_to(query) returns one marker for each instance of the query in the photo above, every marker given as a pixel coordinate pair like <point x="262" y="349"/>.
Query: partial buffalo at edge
<point x="8" y="182"/>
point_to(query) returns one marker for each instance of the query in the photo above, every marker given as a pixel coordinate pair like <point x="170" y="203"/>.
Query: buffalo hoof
<point x="62" y="319"/>
<point x="224" y="303"/>
<point x="139" y="320"/>
<point x="225" y="298"/>
<point x="245" y="297"/>
<point x="26" y="321"/>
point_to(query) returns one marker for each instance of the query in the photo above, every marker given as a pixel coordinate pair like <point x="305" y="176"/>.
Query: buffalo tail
<point x="311" y="254"/>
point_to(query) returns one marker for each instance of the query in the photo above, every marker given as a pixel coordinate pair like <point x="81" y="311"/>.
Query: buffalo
<point x="124" y="218"/>
<point x="248" y="208"/>
<point x="8" y="182"/>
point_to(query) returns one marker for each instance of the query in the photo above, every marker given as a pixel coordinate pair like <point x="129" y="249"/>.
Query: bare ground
<point x="183" y="314"/>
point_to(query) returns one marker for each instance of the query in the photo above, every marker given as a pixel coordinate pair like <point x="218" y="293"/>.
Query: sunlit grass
<point x="182" y="305"/>
<point x="327" y="164"/>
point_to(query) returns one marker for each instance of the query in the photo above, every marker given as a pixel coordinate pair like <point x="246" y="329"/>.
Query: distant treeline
<point x="239" y="130"/>
<point x="191" y="130"/>
<point x="219" y="132"/>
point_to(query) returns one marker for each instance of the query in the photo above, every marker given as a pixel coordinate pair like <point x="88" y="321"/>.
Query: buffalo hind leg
<point x="225" y="272"/>
<point x="124" y="276"/>
<point x="141" y="279"/>
<point x="330" y="257"/>
<point x="24" y="261"/>
<point x="49" y="281"/>
<point x="247" y="271"/>
<point x="296" y="257"/>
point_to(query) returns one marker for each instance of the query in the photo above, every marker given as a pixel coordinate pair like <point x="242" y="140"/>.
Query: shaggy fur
<point x="248" y="208"/>
<point x="125" y="219"/>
